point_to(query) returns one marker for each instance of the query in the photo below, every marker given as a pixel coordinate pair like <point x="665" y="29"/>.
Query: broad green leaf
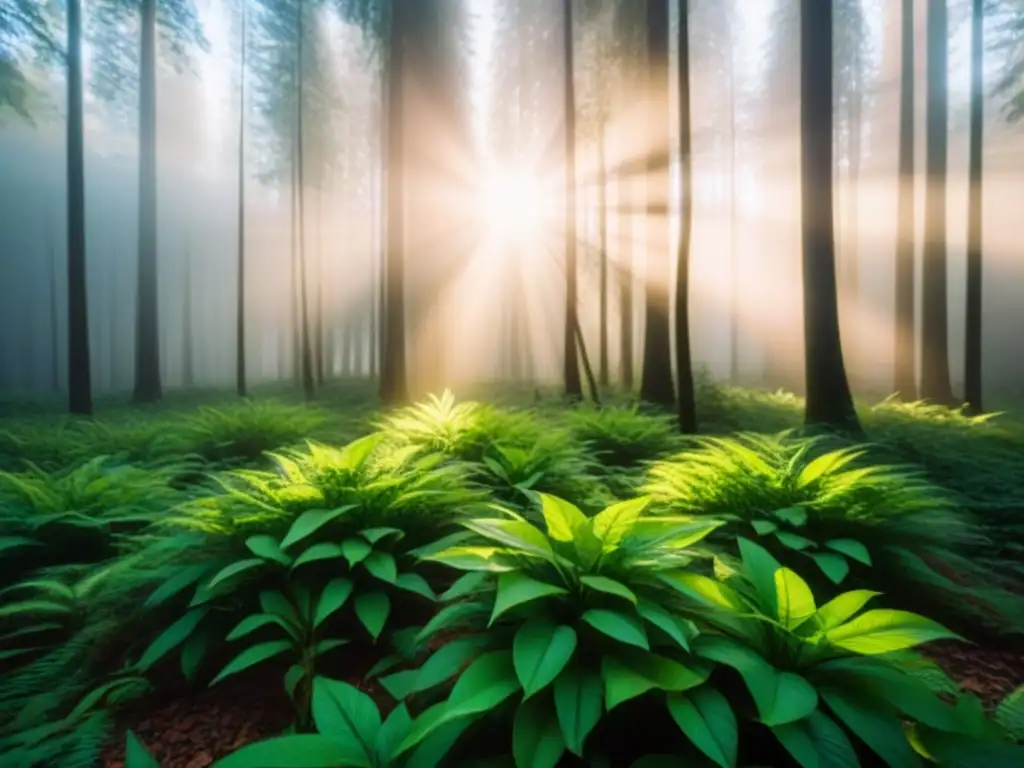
<point x="334" y="596"/>
<point x="444" y="664"/>
<point x="540" y="651"/>
<point x="561" y="518"/>
<point x="881" y="730"/>
<point x="372" y="609"/>
<point x="171" y="637"/>
<point x="794" y="598"/>
<point x="347" y="715"/>
<point x="609" y="587"/>
<point x="326" y="550"/>
<point x="136" y="755"/>
<point x="665" y="621"/>
<point x="781" y="697"/>
<point x="451" y="616"/>
<point x="578" y="704"/>
<point x="252" y="656"/>
<point x="706" y="718"/>
<point x="764" y="527"/>
<point x="622" y="683"/>
<point x="795" y="516"/>
<point x="267" y="547"/>
<point x="515" y="588"/>
<point x="489" y="559"/>
<point x="840" y="608"/>
<point x="328" y="645"/>
<point x="660" y="672"/>
<point x="250" y="624"/>
<point x="310" y="522"/>
<point x="794" y="541"/>
<point x="832" y="565"/>
<point x="373" y="535"/>
<point x="391" y="734"/>
<point x="536" y="736"/>
<point x="817" y="742"/>
<point x="294" y="751"/>
<point x="882" y="631"/>
<point x="433" y="750"/>
<point x="485" y="684"/>
<point x="959" y="751"/>
<point x="851" y="548"/>
<point x="1010" y="714"/>
<point x="193" y="652"/>
<point x="677" y="532"/>
<point x="180" y="581"/>
<point x="292" y="678"/>
<point x="273" y="601"/>
<point x="618" y="626"/>
<point x="235" y="569"/>
<point x="705" y="590"/>
<point x="760" y="568"/>
<point x="614" y="523"/>
<point x="517" y="534"/>
<point x="413" y="582"/>
<point x="382" y="566"/>
<point x="466" y="584"/>
<point x="355" y="550"/>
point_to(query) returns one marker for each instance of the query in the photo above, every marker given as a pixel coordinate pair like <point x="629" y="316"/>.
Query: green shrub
<point x="624" y="437"/>
<point x="808" y="504"/>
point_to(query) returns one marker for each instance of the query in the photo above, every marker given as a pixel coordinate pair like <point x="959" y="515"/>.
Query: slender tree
<point x="148" y="387"/>
<point x="79" y="359"/>
<point x="829" y="401"/>
<point x="240" y="380"/>
<point x="604" y="374"/>
<point x="935" y="380"/>
<point x="656" y="378"/>
<point x="393" y="379"/>
<point x="905" y="376"/>
<point x="306" y="348"/>
<point x="972" y="339"/>
<point x="685" y="394"/>
<point x="571" y="370"/>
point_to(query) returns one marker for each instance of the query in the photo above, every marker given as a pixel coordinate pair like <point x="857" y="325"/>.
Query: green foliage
<point x="1010" y="714"/>
<point x="624" y="437"/>
<point x="810" y="504"/>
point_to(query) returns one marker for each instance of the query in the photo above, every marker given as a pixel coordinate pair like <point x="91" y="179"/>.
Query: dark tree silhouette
<point x="240" y="382"/>
<point x="829" y="401"/>
<point x="79" y="364"/>
<point x="656" y="378"/>
<point x="148" y="387"/>
<point x="571" y="369"/>
<point x="685" y="395"/>
<point x="905" y="378"/>
<point x="305" y="347"/>
<point x="972" y="339"/>
<point x="935" y="382"/>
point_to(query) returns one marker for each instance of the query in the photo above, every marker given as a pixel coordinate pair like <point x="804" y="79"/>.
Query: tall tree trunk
<point x="829" y="400"/>
<point x="602" y="223"/>
<point x="240" y="382"/>
<point x="54" y="316"/>
<point x="308" y="382"/>
<point x="571" y="370"/>
<point x="935" y="382"/>
<point x="734" y="273"/>
<point x="656" y="378"/>
<point x="972" y="338"/>
<point x="393" y="379"/>
<point x="319" y="309"/>
<point x="79" y="374"/>
<point x="685" y="395"/>
<point x="148" y="388"/>
<point x="187" y="347"/>
<point x="905" y="351"/>
<point x="625" y="188"/>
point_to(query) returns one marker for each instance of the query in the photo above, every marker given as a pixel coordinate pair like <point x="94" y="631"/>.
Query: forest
<point x="529" y="383"/>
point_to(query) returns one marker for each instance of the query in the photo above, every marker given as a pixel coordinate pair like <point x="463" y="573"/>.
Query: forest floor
<point x="977" y="462"/>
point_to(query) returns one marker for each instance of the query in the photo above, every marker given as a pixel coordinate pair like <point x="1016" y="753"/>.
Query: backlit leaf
<point x="517" y="534"/>
<point x="561" y="517"/>
<point x="882" y="631"/>
<point x="794" y="598"/>
<point x="614" y="523"/>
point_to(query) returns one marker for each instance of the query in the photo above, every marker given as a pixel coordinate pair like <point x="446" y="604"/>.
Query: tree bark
<point x="656" y="378"/>
<point x="570" y="362"/>
<point x="240" y="382"/>
<point x="686" y="397"/>
<point x="905" y="351"/>
<point x="973" y="337"/>
<point x="935" y="381"/>
<point x="308" y="382"/>
<point x="829" y="401"/>
<point x="79" y="373"/>
<point x="148" y="387"/>
<point x="602" y="223"/>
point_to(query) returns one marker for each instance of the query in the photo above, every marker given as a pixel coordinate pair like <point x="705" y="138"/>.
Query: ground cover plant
<point x="471" y="582"/>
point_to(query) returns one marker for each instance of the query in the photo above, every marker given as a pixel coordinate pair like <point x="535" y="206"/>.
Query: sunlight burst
<point x="516" y="205"/>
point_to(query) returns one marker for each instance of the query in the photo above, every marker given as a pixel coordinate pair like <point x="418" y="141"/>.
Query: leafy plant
<point x="568" y="621"/>
<point x="810" y="504"/>
<point x="1010" y="714"/>
<point x="623" y="437"/>
<point x="817" y="675"/>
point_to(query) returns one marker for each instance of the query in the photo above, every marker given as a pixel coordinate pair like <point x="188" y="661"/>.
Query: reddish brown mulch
<point x="194" y="732"/>
<point x="989" y="674"/>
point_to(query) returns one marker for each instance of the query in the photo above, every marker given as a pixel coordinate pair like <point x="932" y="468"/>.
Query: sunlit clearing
<point x="516" y="205"/>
